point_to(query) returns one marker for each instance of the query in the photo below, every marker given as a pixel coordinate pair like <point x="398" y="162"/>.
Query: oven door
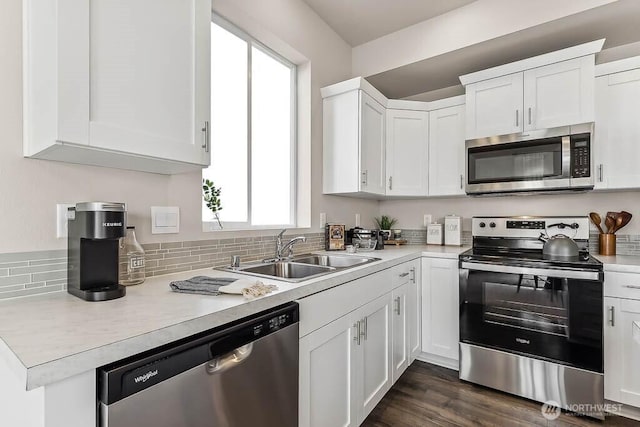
<point x="498" y="166"/>
<point x="550" y="314"/>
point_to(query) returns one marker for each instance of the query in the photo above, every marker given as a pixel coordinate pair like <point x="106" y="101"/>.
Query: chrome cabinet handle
<point x="364" y="177"/>
<point x="205" y="142"/>
<point x="356" y="337"/>
<point x="632" y="286"/>
<point x="517" y="118"/>
<point x="612" y="316"/>
<point x="600" y="167"/>
<point x="404" y="274"/>
<point x="461" y="182"/>
<point x="397" y="309"/>
<point x="365" y="332"/>
<point x="413" y="274"/>
<point x="529" y="115"/>
<point x="390" y="183"/>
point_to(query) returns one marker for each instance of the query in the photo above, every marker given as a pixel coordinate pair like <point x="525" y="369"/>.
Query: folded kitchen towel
<point x="201" y="285"/>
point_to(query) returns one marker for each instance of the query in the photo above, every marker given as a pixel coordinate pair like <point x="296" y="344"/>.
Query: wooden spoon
<point x="595" y="218"/>
<point x="626" y="218"/>
<point x="609" y="222"/>
<point x="617" y="225"/>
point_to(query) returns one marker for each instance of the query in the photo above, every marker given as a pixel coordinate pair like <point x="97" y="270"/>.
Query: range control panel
<point x="530" y="226"/>
<point x="527" y="225"/>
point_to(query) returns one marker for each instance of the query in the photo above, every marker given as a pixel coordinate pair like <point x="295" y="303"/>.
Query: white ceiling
<point x="360" y="21"/>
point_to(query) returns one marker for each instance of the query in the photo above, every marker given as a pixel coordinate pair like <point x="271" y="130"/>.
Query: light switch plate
<point x="323" y="219"/>
<point x="62" y="230"/>
<point x="165" y="219"/>
<point x="428" y="219"/>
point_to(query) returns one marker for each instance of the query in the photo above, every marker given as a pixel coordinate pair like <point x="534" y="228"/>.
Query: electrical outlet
<point x="62" y="230"/>
<point x="323" y="219"/>
<point x="428" y="219"/>
<point x="357" y="220"/>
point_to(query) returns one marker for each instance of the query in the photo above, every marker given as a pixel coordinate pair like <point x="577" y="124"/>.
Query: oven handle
<point x="560" y="274"/>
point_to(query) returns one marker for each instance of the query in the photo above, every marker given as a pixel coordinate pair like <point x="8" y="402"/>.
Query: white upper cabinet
<point x="407" y="152"/>
<point x="494" y="107"/>
<point x="353" y="143"/>
<point x="559" y="94"/>
<point x="617" y="133"/>
<point x="446" y="151"/>
<point x="372" y="122"/>
<point x="546" y="91"/>
<point x="119" y="83"/>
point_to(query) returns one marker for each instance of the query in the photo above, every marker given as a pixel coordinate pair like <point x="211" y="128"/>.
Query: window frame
<point x="212" y="225"/>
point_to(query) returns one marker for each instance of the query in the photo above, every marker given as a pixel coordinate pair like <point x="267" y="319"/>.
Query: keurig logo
<point x="112" y="224"/>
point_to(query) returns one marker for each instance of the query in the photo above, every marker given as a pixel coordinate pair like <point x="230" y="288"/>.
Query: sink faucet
<point x="281" y="248"/>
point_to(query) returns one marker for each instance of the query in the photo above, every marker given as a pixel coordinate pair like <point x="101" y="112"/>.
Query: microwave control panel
<point x="580" y="156"/>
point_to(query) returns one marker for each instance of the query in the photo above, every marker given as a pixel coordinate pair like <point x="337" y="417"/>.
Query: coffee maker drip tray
<point x="99" y="294"/>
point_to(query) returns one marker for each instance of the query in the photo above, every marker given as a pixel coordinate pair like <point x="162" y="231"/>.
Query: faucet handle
<point x="281" y="233"/>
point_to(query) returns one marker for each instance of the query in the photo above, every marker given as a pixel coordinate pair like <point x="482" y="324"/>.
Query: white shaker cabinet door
<point x="414" y="309"/>
<point x="400" y="333"/>
<point x="375" y="362"/>
<point x="559" y="94"/>
<point x="494" y="106"/>
<point x="446" y="151"/>
<point x="407" y="152"/>
<point x="622" y="351"/>
<point x="328" y="375"/>
<point x="372" y="135"/>
<point x="616" y="147"/>
<point x="150" y="77"/>
<point x="440" y="307"/>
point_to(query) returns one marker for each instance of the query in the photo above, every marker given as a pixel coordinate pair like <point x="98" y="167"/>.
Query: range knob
<point x="575" y="225"/>
<point x="482" y="225"/>
<point x="492" y="225"/>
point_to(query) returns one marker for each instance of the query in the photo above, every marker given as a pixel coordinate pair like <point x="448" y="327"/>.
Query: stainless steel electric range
<point x="531" y="325"/>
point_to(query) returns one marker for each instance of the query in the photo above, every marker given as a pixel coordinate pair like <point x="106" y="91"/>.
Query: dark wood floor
<point x="428" y="395"/>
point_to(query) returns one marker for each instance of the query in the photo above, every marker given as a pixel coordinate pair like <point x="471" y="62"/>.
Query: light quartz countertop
<point x="620" y="263"/>
<point x="47" y="338"/>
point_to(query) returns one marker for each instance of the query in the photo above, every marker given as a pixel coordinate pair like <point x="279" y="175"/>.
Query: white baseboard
<point x="626" y="411"/>
<point x="434" y="359"/>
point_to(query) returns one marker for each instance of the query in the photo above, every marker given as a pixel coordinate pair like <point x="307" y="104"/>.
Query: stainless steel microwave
<point x="539" y="161"/>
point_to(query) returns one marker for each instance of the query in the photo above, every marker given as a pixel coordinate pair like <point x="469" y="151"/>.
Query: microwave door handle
<point x="533" y="271"/>
<point x="566" y="156"/>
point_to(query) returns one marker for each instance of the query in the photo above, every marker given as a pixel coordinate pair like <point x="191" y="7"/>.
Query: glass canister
<point x="134" y="256"/>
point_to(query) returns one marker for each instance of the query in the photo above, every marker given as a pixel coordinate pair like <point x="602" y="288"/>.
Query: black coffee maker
<point x="92" y="264"/>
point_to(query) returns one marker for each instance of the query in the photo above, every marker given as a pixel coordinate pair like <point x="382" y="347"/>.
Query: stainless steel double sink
<point x="302" y="267"/>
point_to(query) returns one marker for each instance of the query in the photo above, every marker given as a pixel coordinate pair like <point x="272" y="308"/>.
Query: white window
<point x="253" y="144"/>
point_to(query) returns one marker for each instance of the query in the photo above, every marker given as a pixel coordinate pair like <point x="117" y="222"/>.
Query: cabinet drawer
<point x="622" y="285"/>
<point x="403" y="273"/>
<point x="324" y="307"/>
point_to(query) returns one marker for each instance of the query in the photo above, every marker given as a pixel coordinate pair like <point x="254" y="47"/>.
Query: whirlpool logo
<point x="522" y="341"/>
<point x="143" y="378"/>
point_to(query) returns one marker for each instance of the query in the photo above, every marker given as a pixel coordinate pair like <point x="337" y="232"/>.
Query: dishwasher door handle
<point x="227" y="361"/>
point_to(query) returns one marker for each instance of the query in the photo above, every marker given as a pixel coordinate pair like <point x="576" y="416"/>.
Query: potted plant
<point x="385" y="224"/>
<point x="211" y="196"/>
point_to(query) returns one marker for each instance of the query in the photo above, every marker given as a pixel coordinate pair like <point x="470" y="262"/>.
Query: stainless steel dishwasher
<point x="245" y="374"/>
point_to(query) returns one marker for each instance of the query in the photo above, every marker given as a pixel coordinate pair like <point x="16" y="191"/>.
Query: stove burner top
<point x="530" y="258"/>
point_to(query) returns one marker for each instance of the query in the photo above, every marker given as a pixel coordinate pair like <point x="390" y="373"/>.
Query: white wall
<point x="410" y="213"/>
<point x="29" y="189"/>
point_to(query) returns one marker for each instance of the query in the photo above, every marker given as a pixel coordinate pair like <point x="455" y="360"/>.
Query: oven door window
<point x="552" y="318"/>
<point x="519" y="161"/>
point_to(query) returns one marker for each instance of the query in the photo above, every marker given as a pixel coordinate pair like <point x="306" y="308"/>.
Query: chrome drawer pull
<point x="404" y="274"/>
<point x="356" y="337"/>
<point x="632" y="286"/>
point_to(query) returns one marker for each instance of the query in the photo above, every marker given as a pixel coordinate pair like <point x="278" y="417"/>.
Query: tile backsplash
<point x="31" y="273"/>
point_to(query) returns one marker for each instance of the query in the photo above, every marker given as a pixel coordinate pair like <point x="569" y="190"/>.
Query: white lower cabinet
<point x="622" y="350"/>
<point x="400" y="323"/>
<point x="328" y="375"/>
<point x="440" y="309"/>
<point x="348" y="363"/>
